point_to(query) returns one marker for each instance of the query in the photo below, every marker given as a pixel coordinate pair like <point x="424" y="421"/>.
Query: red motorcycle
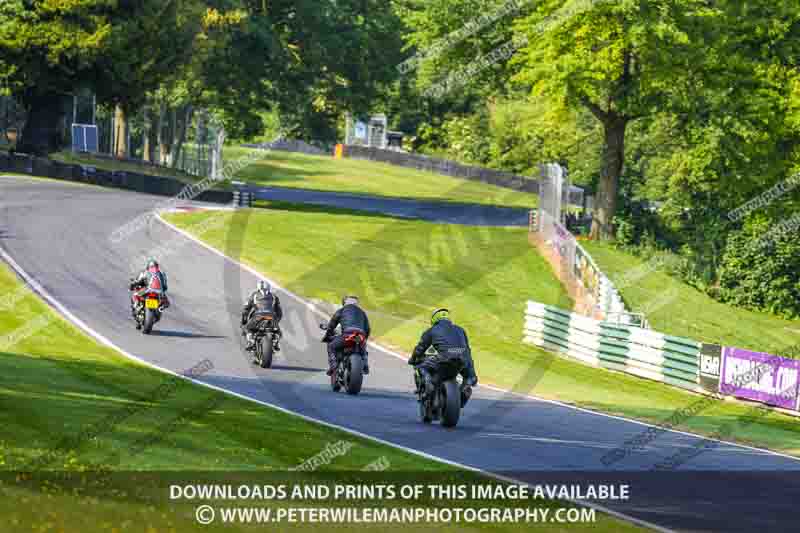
<point x="349" y="372"/>
<point x="147" y="305"/>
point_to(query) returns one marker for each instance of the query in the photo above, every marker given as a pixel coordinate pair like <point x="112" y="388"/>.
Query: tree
<point x="309" y="59"/>
<point x="149" y="41"/>
<point x="46" y="48"/>
<point x="119" y="49"/>
<point x="620" y="60"/>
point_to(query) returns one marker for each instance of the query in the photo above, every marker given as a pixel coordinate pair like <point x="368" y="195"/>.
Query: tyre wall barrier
<point x="637" y="351"/>
<point x="677" y="361"/>
<point x="132" y="181"/>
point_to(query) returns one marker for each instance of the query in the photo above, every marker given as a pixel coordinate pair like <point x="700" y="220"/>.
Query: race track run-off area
<point x="59" y="235"/>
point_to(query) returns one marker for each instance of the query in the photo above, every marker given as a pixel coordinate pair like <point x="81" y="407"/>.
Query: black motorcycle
<point x="146" y="307"/>
<point x="265" y="337"/>
<point x="449" y="396"/>
<point x="349" y="373"/>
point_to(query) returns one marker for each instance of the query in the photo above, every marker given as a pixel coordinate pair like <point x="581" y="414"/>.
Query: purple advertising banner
<point x="761" y="377"/>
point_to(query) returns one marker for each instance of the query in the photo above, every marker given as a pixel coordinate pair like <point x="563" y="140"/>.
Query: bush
<point x="760" y="269"/>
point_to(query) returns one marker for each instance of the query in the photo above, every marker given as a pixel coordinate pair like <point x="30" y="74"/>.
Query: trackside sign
<point x="761" y="377"/>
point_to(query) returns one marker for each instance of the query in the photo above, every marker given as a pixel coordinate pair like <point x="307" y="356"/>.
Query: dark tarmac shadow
<point x="183" y="334"/>
<point x="297" y="368"/>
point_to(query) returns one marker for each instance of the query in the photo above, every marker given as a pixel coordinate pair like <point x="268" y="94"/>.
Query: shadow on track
<point x="297" y="368"/>
<point x="183" y="334"/>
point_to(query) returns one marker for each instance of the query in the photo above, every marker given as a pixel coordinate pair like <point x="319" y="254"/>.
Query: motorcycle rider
<point x="353" y="319"/>
<point x="152" y="277"/>
<point x="260" y="302"/>
<point x="453" y="354"/>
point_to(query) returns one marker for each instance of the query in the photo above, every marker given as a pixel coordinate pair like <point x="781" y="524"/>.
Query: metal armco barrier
<point x="159" y="185"/>
<point x="636" y="351"/>
<point x="448" y="168"/>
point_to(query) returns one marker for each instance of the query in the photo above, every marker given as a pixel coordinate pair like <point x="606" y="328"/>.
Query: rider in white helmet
<point x="261" y="301"/>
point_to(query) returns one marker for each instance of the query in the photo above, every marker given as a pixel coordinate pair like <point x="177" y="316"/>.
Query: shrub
<point x="760" y="269"/>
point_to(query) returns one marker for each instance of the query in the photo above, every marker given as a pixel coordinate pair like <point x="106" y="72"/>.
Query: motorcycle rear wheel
<point x="265" y="352"/>
<point x="355" y="376"/>
<point x="450" y="403"/>
<point x="149" y="321"/>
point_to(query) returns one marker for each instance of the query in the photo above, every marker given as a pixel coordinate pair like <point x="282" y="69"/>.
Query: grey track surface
<point x="59" y="234"/>
<point x="448" y="212"/>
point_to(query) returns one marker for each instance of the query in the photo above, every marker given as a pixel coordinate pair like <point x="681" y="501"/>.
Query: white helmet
<point x="263" y="286"/>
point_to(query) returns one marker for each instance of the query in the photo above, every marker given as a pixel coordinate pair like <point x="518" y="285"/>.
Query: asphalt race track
<point x="59" y="234"/>
<point x="432" y="211"/>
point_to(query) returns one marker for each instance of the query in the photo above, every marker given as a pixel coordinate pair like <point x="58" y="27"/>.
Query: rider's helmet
<point x="350" y="300"/>
<point x="152" y="265"/>
<point x="263" y="286"/>
<point x="440" y="314"/>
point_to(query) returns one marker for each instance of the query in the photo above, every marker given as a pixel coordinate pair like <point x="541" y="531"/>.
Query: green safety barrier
<point x="629" y="349"/>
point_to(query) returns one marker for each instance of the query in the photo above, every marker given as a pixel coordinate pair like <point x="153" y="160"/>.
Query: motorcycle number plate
<point x="151" y="303"/>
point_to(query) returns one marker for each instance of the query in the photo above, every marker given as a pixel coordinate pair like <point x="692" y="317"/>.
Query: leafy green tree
<point x="760" y="268"/>
<point x="120" y="49"/>
<point x="621" y="61"/>
<point x="309" y="59"/>
<point x="46" y="50"/>
<point x="149" y="41"/>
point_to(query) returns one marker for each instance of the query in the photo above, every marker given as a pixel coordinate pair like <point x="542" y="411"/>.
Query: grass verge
<point x="83" y="419"/>
<point x="673" y="307"/>
<point x="404" y="269"/>
<point x="324" y="173"/>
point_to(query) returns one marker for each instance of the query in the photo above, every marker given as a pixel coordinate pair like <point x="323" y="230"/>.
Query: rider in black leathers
<point x="352" y="319"/>
<point x="261" y="301"/>
<point x="453" y="354"/>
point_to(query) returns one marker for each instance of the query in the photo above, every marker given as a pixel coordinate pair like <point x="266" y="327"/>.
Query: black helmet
<point x="151" y="263"/>
<point x="348" y="300"/>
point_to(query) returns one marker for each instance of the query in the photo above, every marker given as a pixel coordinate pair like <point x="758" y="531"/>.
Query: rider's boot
<point x="134" y="315"/>
<point x="427" y="384"/>
<point x="250" y="343"/>
<point x="331" y="364"/>
<point x="276" y="344"/>
<point x="365" y="370"/>
<point x="466" y="394"/>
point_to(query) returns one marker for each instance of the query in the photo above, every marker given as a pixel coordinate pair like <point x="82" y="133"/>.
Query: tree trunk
<point x="180" y="135"/>
<point x="41" y="136"/>
<point x="613" y="160"/>
<point x="173" y="126"/>
<point x="216" y="155"/>
<point x="163" y="138"/>
<point x="147" y="146"/>
<point x="150" y="135"/>
<point x="121" y="132"/>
